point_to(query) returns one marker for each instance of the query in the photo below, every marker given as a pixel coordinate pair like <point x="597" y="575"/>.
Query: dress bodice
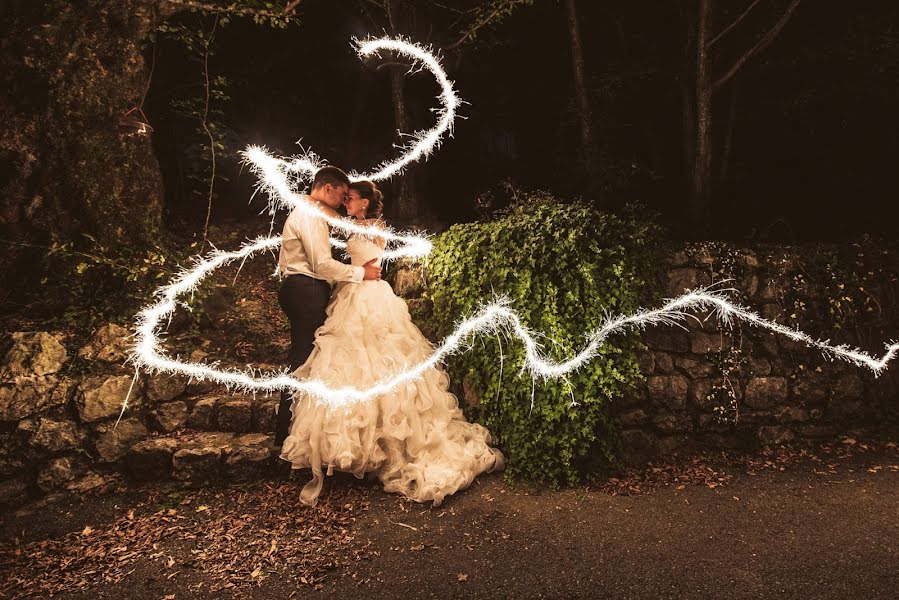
<point x="362" y="249"/>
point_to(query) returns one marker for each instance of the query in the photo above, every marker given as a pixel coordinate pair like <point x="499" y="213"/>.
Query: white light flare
<point x="490" y="319"/>
<point x="422" y="143"/>
<point x="274" y="182"/>
<point x="275" y="174"/>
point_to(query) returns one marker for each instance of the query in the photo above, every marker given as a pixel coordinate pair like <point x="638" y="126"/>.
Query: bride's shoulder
<point x="378" y="223"/>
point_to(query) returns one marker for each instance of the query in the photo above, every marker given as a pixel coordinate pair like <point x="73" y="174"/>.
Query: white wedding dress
<point x="415" y="438"/>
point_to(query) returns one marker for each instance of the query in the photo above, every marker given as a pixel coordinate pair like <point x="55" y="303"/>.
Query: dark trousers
<point x="304" y="299"/>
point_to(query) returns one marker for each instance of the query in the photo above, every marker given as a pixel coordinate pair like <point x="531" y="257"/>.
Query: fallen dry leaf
<point x="246" y="526"/>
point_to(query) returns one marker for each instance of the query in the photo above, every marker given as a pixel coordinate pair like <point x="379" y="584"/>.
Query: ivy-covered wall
<point x="706" y="386"/>
<point x="561" y="266"/>
<point x="711" y="386"/>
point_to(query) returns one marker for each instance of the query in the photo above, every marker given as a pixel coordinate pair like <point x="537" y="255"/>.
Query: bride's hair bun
<point x="369" y="191"/>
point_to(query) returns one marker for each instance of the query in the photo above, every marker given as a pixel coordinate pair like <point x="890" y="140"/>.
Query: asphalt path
<point x="810" y="530"/>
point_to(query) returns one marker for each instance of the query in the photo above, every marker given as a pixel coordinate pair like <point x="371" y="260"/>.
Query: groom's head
<point x="330" y="186"/>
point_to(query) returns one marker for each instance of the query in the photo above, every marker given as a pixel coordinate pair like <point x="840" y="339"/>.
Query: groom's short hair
<point x="331" y="175"/>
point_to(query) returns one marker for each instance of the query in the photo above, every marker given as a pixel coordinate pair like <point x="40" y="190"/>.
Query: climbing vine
<point x="563" y="267"/>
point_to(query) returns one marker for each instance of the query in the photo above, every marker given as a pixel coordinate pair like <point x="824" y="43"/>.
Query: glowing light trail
<point x="490" y="319"/>
<point x="275" y="184"/>
<point x="423" y="143"/>
<point x="275" y="177"/>
<point x="274" y="172"/>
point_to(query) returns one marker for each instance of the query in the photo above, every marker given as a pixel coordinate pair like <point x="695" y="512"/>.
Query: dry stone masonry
<point x="61" y="433"/>
<point x="714" y="386"/>
<point x="703" y="386"/>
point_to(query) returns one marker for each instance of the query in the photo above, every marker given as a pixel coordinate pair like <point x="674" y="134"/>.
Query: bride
<point x="415" y="438"/>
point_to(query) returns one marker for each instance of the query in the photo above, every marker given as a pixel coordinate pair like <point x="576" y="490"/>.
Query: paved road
<point x="795" y="534"/>
<point x="800" y="533"/>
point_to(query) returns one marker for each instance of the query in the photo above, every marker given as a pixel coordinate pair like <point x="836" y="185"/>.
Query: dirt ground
<point x="810" y="523"/>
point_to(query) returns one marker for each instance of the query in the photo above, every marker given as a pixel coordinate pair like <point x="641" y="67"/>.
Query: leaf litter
<point x="235" y="537"/>
<point x="714" y="470"/>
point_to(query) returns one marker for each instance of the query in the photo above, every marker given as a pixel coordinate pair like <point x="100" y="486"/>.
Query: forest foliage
<point x="563" y="267"/>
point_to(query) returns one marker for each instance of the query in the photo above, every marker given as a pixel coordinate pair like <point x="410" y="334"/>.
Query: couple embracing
<point x="348" y="328"/>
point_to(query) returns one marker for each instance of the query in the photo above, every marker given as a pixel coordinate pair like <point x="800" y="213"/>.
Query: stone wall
<point x="738" y="386"/>
<point x="714" y="386"/>
<point x="61" y="431"/>
<point x="706" y="385"/>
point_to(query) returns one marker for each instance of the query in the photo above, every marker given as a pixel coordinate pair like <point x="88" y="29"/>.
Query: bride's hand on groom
<point x="372" y="271"/>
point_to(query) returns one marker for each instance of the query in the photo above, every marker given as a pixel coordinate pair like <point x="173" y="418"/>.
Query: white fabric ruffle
<point x="415" y="439"/>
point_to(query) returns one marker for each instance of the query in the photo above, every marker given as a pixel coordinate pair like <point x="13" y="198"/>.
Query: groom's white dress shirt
<point x="305" y="250"/>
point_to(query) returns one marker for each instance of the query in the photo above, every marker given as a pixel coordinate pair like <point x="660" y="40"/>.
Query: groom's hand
<point x="372" y="271"/>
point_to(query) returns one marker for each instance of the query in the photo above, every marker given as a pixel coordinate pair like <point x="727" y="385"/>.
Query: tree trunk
<point x="70" y="72"/>
<point x="702" y="164"/>
<point x="724" y="170"/>
<point x="704" y="89"/>
<point x="688" y="107"/>
<point x="406" y="206"/>
<point x="588" y="150"/>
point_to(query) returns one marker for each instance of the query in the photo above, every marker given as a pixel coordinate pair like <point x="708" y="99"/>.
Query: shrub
<point x="562" y="266"/>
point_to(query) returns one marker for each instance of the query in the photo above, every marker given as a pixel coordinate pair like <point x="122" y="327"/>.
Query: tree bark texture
<point x="702" y="165"/>
<point x="687" y="83"/>
<point x="585" y="121"/>
<point x="70" y="71"/>
<point x="706" y="86"/>
<point x="406" y="211"/>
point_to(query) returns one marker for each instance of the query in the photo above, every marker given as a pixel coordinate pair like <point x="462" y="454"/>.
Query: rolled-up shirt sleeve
<point x="313" y="233"/>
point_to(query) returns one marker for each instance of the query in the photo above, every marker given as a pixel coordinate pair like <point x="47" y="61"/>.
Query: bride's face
<point x="356" y="205"/>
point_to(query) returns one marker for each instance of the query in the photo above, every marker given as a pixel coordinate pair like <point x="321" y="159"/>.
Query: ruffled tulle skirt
<point x="414" y="439"/>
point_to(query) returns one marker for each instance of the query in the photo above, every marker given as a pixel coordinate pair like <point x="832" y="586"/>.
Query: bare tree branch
<point x="236" y="9"/>
<point x="388" y="65"/>
<point x="732" y="25"/>
<point x="291" y="6"/>
<point x="451" y="9"/>
<point x="389" y="7"/>
<point x="498" y="11"/>
<point x="763" y="43"/>
<point x="205" y="122"/>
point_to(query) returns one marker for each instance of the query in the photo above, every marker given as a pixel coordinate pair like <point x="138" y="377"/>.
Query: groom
<point x="308" y="271"/>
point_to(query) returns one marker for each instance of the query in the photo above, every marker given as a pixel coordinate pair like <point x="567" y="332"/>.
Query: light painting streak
<point x="274" y="172"/>
<point x="493" y="318"/>
<point x="423" y="143"/>
<point x="490" y="319"/>
<point x="275" y="183"/>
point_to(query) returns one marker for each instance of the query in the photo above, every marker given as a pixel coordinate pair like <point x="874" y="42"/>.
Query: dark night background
<point x="784" y="131"/>
<point x="813" y="139"/>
